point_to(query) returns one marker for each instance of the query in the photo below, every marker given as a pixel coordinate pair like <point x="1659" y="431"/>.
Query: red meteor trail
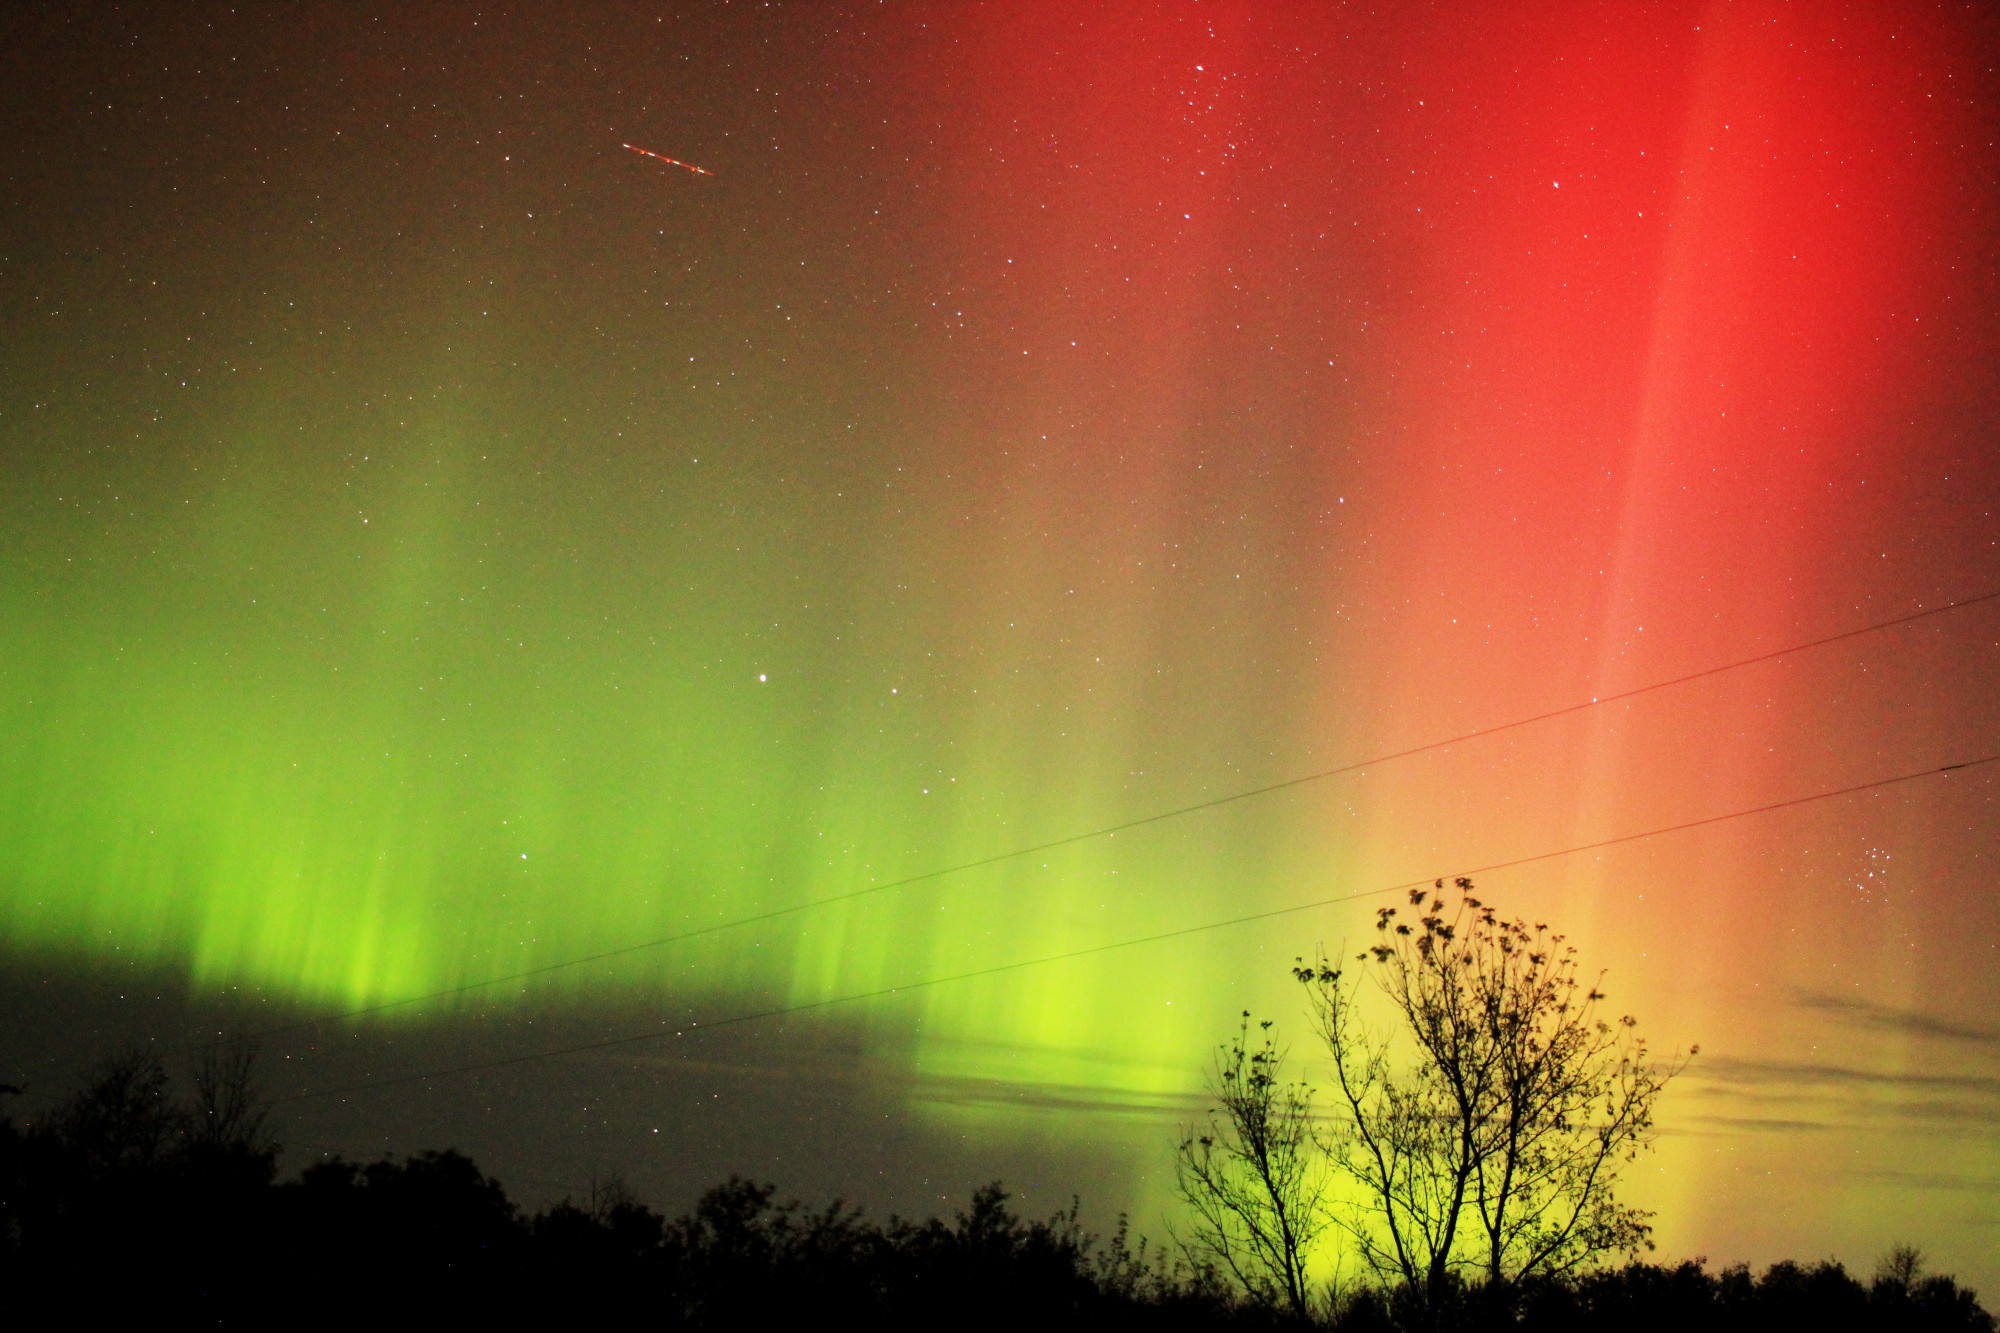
<point x="664" y="158"/>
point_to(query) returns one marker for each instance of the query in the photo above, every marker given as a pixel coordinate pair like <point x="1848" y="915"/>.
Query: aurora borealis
<point x="437" y="543"/>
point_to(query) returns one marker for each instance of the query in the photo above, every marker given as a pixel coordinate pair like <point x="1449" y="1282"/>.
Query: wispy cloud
<point x="1728" y="1069"/>
<point x="1763" y="1124"/>
<point x="1070" y="1098"/>
<point x="1911" y="1022"/>
<point x="1789" y="1095"/>
<point x="1932" y="1180"/>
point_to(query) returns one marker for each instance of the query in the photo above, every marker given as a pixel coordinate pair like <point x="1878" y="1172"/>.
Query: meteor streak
<point x="699" y="171"/>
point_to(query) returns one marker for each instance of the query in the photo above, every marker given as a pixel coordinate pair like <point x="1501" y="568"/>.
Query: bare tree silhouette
<point x="1485" y="1129"/>
<point x="229" y="1109"/>
<point x="1255" y="1181"/>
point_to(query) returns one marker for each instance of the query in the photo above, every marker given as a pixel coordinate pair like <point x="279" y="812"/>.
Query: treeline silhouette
<point x="126" y="1203"/>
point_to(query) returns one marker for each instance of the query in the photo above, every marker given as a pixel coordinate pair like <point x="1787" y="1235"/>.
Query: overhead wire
<point x="662" y="1034"/>
<point x="779" y="913"/>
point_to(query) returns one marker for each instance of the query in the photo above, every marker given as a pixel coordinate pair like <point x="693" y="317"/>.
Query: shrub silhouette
<point x="123" y="1205"/>
<point x="118" y="1169"/>
<point x="1646" y="1298"/>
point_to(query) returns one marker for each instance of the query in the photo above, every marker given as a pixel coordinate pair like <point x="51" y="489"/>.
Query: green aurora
<point x="438" y="545"/>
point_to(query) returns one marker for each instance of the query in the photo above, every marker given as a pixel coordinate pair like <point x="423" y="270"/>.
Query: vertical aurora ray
<point x="439" y="543"/>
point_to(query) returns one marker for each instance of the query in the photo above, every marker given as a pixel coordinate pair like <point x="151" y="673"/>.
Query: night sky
<point x="438" y="544"/>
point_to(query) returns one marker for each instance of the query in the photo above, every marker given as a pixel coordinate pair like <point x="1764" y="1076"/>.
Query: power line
<point x="1018" y="965"/>
<point x="778" y="913"/>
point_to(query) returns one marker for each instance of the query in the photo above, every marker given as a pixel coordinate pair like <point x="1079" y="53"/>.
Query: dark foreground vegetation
<point x="125" y="1205"/>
